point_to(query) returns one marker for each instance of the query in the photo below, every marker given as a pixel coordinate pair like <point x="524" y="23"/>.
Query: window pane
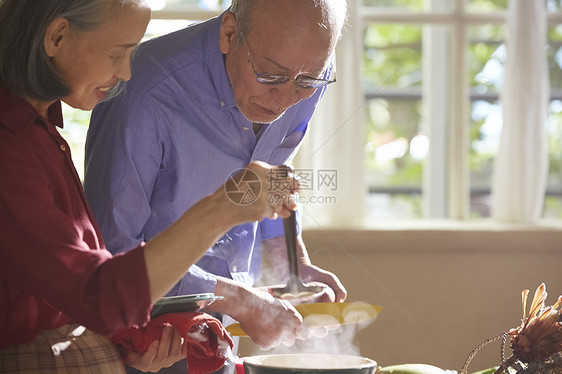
<point x="171" y="5"/>
<point x="486" y="55"/>
<point x="394" y="152"/>
<point x="554" y="5"/>
<point x="553" y="202"/>
<point x="485" y="6"/>
<point x="485" y="130"/>
<point x="76" y="123"/>
<point x="554" y="53"/>
<point x="159" y="27"/>
<point x="411" y="5"/>
<point x="392" y="56"/>
<point x="395" y="146"/>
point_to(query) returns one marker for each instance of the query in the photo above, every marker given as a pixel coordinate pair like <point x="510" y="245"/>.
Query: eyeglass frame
<point x="284" y="78"/>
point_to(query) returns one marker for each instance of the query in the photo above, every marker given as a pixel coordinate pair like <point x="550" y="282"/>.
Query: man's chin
<point x="262" y="119"/>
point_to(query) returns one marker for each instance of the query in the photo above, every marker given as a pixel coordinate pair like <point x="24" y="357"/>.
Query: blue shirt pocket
<point x="286" y="151"/>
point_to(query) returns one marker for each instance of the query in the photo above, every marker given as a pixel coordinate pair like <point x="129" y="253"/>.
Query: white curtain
<point x="520" y="169"/>
<point x="331" y="157"/>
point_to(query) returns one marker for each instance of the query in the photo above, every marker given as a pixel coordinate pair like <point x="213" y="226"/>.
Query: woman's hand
<point x="161" y="353"/>
<point x="262" y="191"/>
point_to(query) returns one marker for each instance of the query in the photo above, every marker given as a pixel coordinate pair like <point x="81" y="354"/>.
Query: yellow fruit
<point x="410" y="369"/>
<point x="487" y="371"/>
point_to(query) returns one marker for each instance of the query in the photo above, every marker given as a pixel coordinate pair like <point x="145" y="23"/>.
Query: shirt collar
<point x="17" y="113"/>
<point x="215" y="60"/>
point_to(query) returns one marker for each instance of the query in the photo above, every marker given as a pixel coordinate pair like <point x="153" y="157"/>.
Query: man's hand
<point x="161" y="353"/>
<point x="270" y="322"/>
<point x="277" y="322"/>
<point x="311" y="274"/>
<point x="277" y="251"/>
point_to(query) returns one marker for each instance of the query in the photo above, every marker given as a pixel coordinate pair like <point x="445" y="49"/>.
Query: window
<point x="432" y="71"/>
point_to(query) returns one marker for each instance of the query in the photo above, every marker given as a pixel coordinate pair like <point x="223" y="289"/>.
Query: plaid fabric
<point x="70" y="349"/>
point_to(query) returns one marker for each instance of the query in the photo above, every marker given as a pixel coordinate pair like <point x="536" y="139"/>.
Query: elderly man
<point x="202" y="103"/>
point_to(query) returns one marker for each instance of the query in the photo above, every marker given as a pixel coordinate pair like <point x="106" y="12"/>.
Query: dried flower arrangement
<point x="536" y="344"/>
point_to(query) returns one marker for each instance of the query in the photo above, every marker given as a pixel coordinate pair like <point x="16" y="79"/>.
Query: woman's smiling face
<point x="91" y="62"/>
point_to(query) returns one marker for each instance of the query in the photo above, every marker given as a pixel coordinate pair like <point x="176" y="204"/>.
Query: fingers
<point x="143" y="362"/>
<point x="341" y="295"/>
<point x="282" y="326"/>
<point x="319" y="332"/>
<point x="165" y="342"/>
<point x="295" y="328"/>
<point x="312" y="273"/>
<point x="281" y="188"/>
<point x="336" y="288"/>
<point x="170" y="348"/>
<point x="289" y="195"/>
<point x="278" y="189"/>
<point x="327" y="295"/>
<point x="260" y="191"/>
<point x="160" y="353"/>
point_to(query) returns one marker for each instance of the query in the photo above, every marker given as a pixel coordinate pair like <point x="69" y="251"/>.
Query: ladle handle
<point x="290" y="226"/>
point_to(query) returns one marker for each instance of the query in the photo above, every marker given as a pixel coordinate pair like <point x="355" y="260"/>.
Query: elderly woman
<point x="61" y="292"/>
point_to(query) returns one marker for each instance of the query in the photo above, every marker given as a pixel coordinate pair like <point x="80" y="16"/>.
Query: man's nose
<point x="287" y="94"/>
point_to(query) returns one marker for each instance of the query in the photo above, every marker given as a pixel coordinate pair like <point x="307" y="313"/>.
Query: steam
<point x="336" y="339"/>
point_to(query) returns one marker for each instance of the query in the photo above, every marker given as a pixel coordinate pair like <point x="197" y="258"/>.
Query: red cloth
<point x="203" y="355"/>
<point x="54" y="267"/>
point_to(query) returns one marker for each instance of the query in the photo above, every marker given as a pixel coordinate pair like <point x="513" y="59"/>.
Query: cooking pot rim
<point x="256" y="360"/>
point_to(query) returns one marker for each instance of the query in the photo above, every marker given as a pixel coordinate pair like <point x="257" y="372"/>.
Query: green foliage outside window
<point x="392" y="61"/>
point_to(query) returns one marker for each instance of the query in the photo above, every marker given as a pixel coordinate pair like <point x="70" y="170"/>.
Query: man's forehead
<point x="289" y="13"/>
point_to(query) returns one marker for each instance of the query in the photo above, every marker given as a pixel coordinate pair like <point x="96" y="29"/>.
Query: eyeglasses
<point x="302" y="81"/>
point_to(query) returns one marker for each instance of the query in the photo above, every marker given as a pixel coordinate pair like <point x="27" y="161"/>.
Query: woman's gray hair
<point x="336" y="10"/>
<point x="25" y="68"/>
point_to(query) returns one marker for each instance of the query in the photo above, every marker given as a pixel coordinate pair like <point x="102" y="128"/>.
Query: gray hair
<point x="25" y="68"/>
<point x="334" y="10"/>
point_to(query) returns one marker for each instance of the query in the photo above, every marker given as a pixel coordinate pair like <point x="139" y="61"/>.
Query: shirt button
<point x="62" y="147"/>
<point x="245" y="128"/>
<point x="222" y="104"/>
<point x="234" y="268"/>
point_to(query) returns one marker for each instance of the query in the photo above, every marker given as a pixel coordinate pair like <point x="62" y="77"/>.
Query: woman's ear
<point x="228" y="32"/>
<point x="56" y="34"/>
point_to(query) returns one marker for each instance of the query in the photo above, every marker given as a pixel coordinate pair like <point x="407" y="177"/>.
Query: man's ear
<point x="228" y="31"/>
<point x="56" y="34"/>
